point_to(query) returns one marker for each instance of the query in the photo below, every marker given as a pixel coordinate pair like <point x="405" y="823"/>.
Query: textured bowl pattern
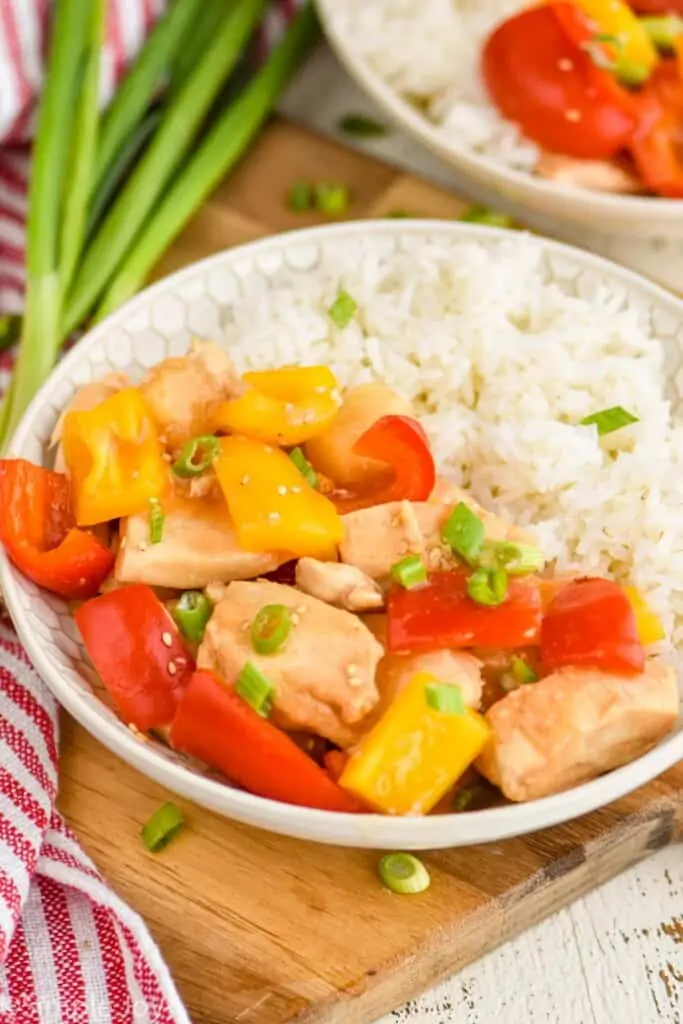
<point x="160" y="323"/>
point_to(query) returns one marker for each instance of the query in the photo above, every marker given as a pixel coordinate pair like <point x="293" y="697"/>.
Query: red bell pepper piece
<point x="215" y="725"/>
<point x="37" y="528"/>
<point x="442" y="614"/>
<point x="402" y="444"/>
<point x="139" y="655"/>
<point x="657" y="147"/>
<point x="591" y="624"/>
<point x="539" y="76"/>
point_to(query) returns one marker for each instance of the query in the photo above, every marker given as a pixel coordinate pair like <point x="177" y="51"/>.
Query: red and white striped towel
<point x="71" y="952"/>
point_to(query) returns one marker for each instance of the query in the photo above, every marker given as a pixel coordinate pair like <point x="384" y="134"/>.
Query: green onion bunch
<point x="109" y="192"/>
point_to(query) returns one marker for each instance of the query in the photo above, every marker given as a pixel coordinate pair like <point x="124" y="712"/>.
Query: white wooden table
<point x="616" y="956"/>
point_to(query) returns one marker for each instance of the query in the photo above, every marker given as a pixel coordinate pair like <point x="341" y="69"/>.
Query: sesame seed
<point x="334" y="395"/>
<point x="268" y="450"/>
<point x="565" y="64"/>
<point x="166" y="457"/>
<point x="309" y="417"/>
<point x="166" y="639"/>
<point x="321" y="389"/>
<point x="352" y="669"/>
<point x="245" y="480"/>
<point x="289" y="407"/>
<point x="294" y="618"/>
<point x="355" y="681"/>
<point x="142" y="546"/>
<point x="573" y="115"/>
<point x="123" y="543"/>
<point x="246" y="624"/>
<point x="172" y="668"/>
<point x="295" y="490"/>
<point x="301" y="609"/>
<point x="282" y="489"/>
<point x="273" y="516"/>
<point x="135" y="475"/>
<point x="83" y="581"/>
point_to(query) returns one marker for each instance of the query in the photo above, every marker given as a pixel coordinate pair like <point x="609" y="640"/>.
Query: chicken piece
<point x="323" y="676"/>
<point x="378" y="537"/>
<point x="342" y="585"/>
<point x="86" y="398"/>
<point x="574" y="725"/>
<point x="395" y="670"/>
<point x="599" y="175"/>
<point x="183" y="392"/>
<point x="331" y="452"/>
<point x="198" y="546"/>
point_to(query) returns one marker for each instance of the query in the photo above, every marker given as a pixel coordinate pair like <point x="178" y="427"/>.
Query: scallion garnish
<point x="361" y="126"/>
<point x="516" y="559"/>
<point x="331" y="197"/>
<point x="162" y="827"/>
<point x="464" y="532"/>
<point x="300" y="197"/>
<point x="398" y="214"/>
<point x="156" y="521"/>
<point x="630" y="73"/>
<point x="403" y="873"/>
<point x="446" y="698"/>
<point x="664" y="31"/>
<point x="463" y="798"/>
<point x="191" y="613"/>
<point x="304" y="467"/>
<point x="483" y="215"/>
<point x="522" y="671"/>
<point x="342" y="310"/>
<point x="488" y="586"/>
<point x="410" y="572"/>
<point x="254" y="688"/>
<point x="270" y="628"/>
<point x="196" y="456"/>
<point x="609" y="420"/>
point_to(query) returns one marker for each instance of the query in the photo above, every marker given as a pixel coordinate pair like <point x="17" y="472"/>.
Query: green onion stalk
<point x="178" y="129"/>
<point x="219" y="152"/>
<point x="41" y="334"/>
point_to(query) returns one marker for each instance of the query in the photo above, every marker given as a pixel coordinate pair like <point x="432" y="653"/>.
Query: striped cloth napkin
<point x="71" y="952"/>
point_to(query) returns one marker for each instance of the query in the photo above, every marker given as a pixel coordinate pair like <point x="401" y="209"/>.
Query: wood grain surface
<point x="262" y="929"/>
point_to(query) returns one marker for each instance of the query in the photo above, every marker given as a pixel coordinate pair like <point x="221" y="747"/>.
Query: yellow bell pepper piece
<point x="414" y="754"/>
<point x="284" y="407"/>
<point x="650" y="629"/>
<point x="615" y="18"/>
<point x="270" y="503"/>
<point x="114" y="457"/>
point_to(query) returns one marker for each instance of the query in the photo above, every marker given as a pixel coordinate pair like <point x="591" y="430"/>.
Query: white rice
<point x="502" y="365"/>
<point x="429" y="52"/>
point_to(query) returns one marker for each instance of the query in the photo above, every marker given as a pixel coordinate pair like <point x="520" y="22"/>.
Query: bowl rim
<point x="577" y="204"/>
<point x="368" y="830"/>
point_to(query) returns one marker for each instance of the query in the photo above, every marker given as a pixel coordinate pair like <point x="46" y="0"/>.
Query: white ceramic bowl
<point x="534" y="201"/>
<point x="159" y="323"/>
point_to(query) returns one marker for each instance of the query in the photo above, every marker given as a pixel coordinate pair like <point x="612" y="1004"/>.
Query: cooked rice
<point x="502" y="365"/>
<point x="429" y="52"/>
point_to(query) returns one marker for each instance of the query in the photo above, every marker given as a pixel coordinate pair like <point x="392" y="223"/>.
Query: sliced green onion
<point x="191" y="613"/>
<point x="522" y="671"/>
<point x="477" y="214"/>
<point x="516" y="559"/>
<point x="219" y="151"/>
<point x="464" y="532"/>
<point x="410" y="572"/>
<point x="156" y="521"/>
<point x="182" y="119"/>
<point x="300" y="197"/>
<point x="362" y="127"/>
<point x="331" y="197"/>
<point x="463" y="798"/>
<point x="254" y="688"/>
<point x="270" y="628"/>
<point x="305" y="468"/>
<point x="488" y="586"/>
<point x="403" y="873"/>
<point x="609" y="420"/>
<point x="446" y="698"/>
<point x="663" y="31"/>
<point x="162" y="827"/>
<point x="398" y="214"/>
<point x="342" y="310"/>
<point x="474" y="797"/>
<point x="630" y="73"/>
<point x="196" y="456"/>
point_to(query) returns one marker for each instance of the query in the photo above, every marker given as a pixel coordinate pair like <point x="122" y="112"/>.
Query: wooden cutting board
<point x="265" y="930"/>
